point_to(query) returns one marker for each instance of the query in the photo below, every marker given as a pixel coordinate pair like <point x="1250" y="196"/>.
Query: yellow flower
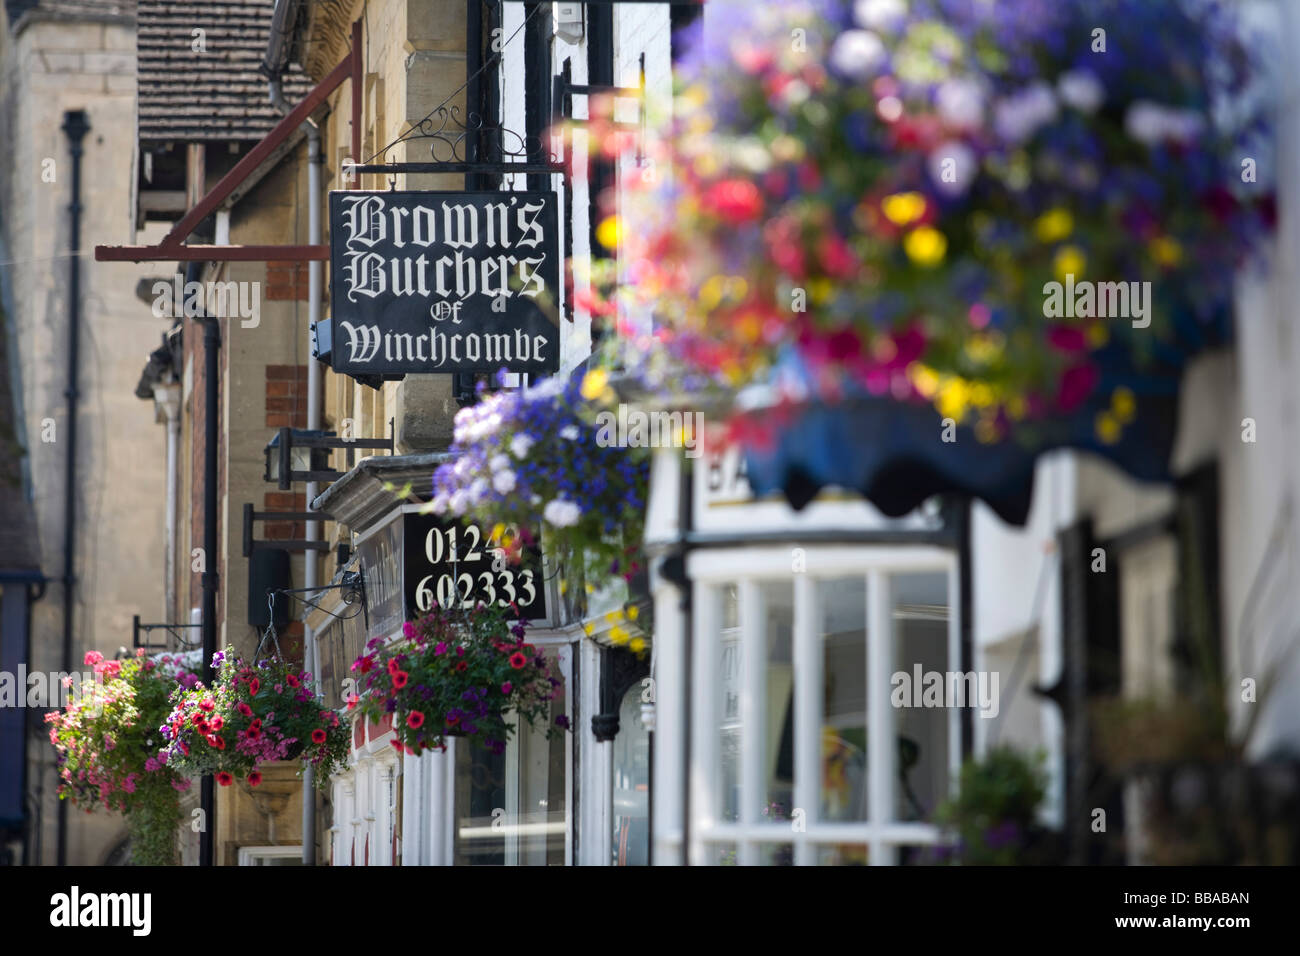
<point x="1069" y="260"/>
<point x="1166" y="251"/>
<point x="711" y="291"/>
<point x="1123" y="405"/>
<point x="1097" y="335"/>
<point x="618" y="635"/>
<point x="589" y="628"/>
<point x="614" y="616"/>
<point x="633" y="612"/>
<point x="819" y="290"/>
<point x="924" y="378"/>
<point x="981" y="395"/>
<point x="953" y="399"/>
<point x="925" y="246"/>
<point x="1016" y="408"/>
<point x="637" y="645"/>
<point x="903" y="208"/>
<point x="607" y="233"/>
<point x="593" y="386"/>
<point x="1108" y="428"/>
<point x="1053" y="225"/>
<point x="983" y="348"/>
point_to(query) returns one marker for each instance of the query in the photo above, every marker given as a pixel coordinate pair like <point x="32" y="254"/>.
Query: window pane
<point x="776" y="854"/>
<point x="497" y="823"/>
<point x="843" y="854"/>
<point x="778" y="708"/>
<point x="924" y="689"/>
<point x="480" y="789"/>
<point x="729" y="681"/>
<point x="540" y="815"/>
<point x="631" y="768"/>
<point x="722" y="854"/>
<point x="843" y="637"/>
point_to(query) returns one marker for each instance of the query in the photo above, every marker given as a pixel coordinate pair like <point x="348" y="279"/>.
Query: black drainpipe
<point x="211" y="580"/>
<point x="75" y="126"/>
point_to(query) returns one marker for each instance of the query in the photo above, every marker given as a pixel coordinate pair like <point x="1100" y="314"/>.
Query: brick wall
<point x="286" y="281"/>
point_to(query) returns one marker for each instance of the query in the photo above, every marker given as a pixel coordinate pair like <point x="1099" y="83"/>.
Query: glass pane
<point x="510" y="807"/>
<point x="480" y="802"/>
<point x="540" y="832"/>
<point x="631" y="769"/>
<point x="776" y="854"/>
<point x="778" y="708"/>
<point x="843" y="854"/>
<point x="923" y="691"/>
<point x="729" y="681"/>
<point x="722" y="854"/>
<point x="843" y="637"/>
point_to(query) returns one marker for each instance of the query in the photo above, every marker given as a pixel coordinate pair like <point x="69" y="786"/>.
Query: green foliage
<point x="993" y="813"/>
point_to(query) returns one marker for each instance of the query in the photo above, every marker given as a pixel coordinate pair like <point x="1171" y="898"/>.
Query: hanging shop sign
<point x="444" y="282"/>
<point x="380" y="552"/>
<point x="456" y="566"/>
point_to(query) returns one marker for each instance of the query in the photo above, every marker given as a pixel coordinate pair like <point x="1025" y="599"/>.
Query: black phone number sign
<point x="456" y="566"/>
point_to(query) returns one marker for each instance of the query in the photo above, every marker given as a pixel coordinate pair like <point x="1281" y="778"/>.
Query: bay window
<point x="800" y="753"/>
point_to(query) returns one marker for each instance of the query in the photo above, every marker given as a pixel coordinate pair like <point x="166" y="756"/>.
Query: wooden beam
<point x="183" y="253"/>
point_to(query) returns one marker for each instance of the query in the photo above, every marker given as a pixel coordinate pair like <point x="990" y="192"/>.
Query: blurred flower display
<point x="457" y="675"/>
<point x="529" y="458"/>
<point x="253" y="714"/>
<point x="108" y="744"/>
<point x="878" y="196"/>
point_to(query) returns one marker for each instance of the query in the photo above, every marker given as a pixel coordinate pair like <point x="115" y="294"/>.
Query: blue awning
<point x="895" y="455"/>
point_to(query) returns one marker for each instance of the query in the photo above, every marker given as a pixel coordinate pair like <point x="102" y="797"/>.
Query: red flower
<point x="461" y="666"/>
<point x="400" y="678"/>
<point x="253" y="733"/>
<point x="353" y="700"/>
<point x="224" y="778"/>
<point x="392" y="666"/>
<point x="244" y="709"/>
<point x="216" y="723"/>
<point x="398" y="744"/>
<point x="414" y="720"/>
<point x="293" y="681"/>
<point x="207" y="704"/>
<point x="254" y="778"/>
<point x="453" y="721"/>
<point x="184" y="748"/>
<point x="253" y="686"/>
<point x="733" y="200"/>
<point x="318" y="736"/>
<point x="518" y="660"/>
<point x="197" y="719"/>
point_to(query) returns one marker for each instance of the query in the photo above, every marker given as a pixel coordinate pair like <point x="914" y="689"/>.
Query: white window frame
<point x="746" y="568"/>
<point x="249" y="854"/>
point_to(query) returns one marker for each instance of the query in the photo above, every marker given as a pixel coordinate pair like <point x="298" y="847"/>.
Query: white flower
<point x="459" y="502"/>
<point x="504" y="481"/>
<point x="1150" y="123"/>
<point x="883" y="15"/>
<point x="952" y="166"/>
<point x="547" y="388"/>
<point x="1081" y="89"/>
<point x="1019" y="117"/>
<point x="569" y="432"/>
<point x="519" y="446"/>
<point x="858" y="53"/>
<point x="477" y="489"/>
<point x="960" y="103"/>
<point x="562" y="514"/>
<point x="441" y="501"/>
<point x="498" y="462"/>
<point x="535" y="500"/>
<point x="462" y="468"/>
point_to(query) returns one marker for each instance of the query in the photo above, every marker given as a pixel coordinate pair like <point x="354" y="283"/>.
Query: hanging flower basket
<point x="457" y="675"/>
<point x="107" y="740"/>
<point x="254" y="714"/>
<point x="535" y="458"/>
<point x="965" y="204"/>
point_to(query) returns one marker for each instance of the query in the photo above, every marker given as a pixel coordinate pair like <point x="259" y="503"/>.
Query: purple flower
<point x="562" y="722"/>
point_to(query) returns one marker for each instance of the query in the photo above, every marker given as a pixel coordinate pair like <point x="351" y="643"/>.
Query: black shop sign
<point x="444" y="282"/>
<point x="456" y="565"/>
